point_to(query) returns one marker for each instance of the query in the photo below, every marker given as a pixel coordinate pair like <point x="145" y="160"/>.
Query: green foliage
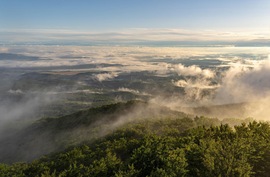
<point x="161" y="147"/>
<point x="156" y="155"/>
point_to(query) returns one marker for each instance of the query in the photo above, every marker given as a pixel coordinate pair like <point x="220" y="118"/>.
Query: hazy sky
<point x="103" y="16"/>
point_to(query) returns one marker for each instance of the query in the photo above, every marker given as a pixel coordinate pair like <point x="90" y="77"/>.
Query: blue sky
<point x="103" y="16"/>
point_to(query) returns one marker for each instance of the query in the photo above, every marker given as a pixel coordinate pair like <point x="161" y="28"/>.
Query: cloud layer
<point x="206" y="75"/>
<point x="135" y="36"/>
<point x="105" y="76"/>
<point x="243" y="84"/>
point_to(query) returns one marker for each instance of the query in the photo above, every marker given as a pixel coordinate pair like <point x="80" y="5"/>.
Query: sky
<point x="122" y="18"/>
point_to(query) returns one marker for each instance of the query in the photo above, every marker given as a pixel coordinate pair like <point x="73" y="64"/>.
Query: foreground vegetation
<point x="163" y="147"/>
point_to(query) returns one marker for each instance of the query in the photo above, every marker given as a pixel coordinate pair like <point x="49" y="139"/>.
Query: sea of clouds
<point x="242" y="75"/>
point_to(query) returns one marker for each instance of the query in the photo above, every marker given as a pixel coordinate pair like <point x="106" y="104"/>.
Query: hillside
<point x="161" y="147"/>
<point x="137" y="139"/>
<point x="54" y="134"/>
<point x="240" y="110"/>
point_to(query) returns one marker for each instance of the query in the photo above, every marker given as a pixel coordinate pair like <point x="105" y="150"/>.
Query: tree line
<point x="161" y="147"/>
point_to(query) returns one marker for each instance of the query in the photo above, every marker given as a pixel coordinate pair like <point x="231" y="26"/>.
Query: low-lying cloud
<point x="237" y="75"/>
<point x="240" y="79"/>
<point x="242" y="84"/>
<point x="124" y="89"/>
<point x="193" y="71"/>
<point x="131" y="36"/>
<point x="23" y="111"/>
<point x="105" y="76"/>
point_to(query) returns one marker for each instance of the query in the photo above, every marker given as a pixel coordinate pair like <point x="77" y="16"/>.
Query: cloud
<point x="127" y="58"/>
<point x="21" y="111"/>
<point x="132" y="36"/>
<point x="123" y="89"/>
<point x="198" y="89"/>
<point x="105" y="76"/>
<point x="136" y="92"/>
<point x="195" y="76"/>
<point x="245" y="84"/>
<point x="241" y="76"/>
<point x="197" y="83"/>
<point x="16" y="92"/>
<point x="193" y="71"/>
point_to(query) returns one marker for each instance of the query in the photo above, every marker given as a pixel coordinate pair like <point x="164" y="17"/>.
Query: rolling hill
<point x="138" y="139"/>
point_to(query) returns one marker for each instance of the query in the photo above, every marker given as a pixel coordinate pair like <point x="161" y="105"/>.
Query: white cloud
<point x="245" y="84"/>
<point x="16" y="92"/>
<point x="246" y="80"/>
<point x="180" y="83"/>
<point x="197" y="83"/>
<point x="105" y="76"/>
<point x="193" y="71"/>
<point x="123" y="89"/>
<point x="128" y="58"/>
<point x="195" y="89"/>
<point x="131" y="35"/>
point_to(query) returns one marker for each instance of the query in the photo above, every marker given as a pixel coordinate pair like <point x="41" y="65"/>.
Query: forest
<point x="134" y="88"/>
<point x="167" y="146"/>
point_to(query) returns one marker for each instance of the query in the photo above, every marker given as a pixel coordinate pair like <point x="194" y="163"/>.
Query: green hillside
<point x="137" y="139"/>
<point x="161" y="148"/>
<point x="55" y="134"/>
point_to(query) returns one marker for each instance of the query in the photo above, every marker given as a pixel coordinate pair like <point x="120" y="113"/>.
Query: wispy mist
<point x="217" y="82"/>
<point x="18" y="113"/>
<point x="105" y="76"/>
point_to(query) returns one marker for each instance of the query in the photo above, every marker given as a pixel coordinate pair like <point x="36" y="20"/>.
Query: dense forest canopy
<point x="171" y="146"/>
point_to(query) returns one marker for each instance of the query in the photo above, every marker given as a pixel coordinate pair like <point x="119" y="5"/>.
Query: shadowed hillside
<point x="161" y="147"/>
<point x="54" y="134"/>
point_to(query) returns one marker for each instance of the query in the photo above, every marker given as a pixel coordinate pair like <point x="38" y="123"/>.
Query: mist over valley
<point x="134" y="88"/>
<point x="52" y="82"/>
